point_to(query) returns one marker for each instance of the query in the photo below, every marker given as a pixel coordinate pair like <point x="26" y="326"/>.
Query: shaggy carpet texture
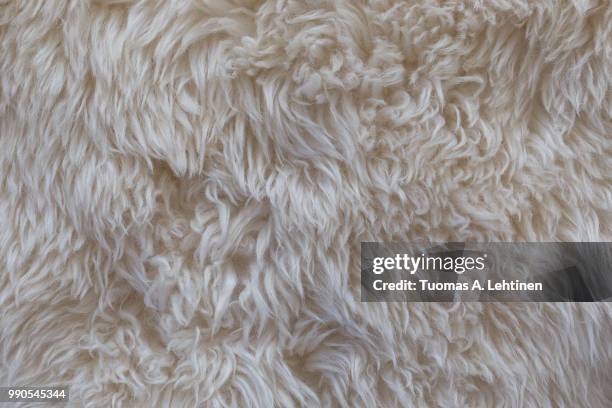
<point x="185" y="186"/>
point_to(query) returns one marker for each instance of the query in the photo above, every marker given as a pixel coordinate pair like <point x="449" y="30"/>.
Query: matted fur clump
<point x="185" y="185"/>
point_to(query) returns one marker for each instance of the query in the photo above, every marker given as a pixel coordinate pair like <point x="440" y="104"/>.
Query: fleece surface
<point x="185" y="185"/>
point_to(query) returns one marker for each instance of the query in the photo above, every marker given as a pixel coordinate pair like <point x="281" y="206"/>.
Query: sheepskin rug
<point x="185" y="186"/>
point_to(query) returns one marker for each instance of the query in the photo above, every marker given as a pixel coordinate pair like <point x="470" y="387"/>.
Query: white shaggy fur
<point x="185" y="185"/>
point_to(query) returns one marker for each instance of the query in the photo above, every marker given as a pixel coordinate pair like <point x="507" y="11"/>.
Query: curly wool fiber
<point x="185" y="185"/>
